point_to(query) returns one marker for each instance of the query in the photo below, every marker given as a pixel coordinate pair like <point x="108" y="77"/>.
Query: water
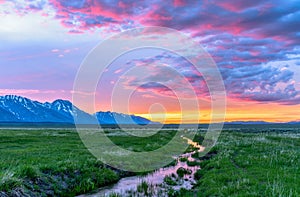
<point x="128" y="186"/>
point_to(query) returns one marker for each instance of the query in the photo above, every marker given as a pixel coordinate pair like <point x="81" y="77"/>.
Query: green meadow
<point x="54" y="162"/>
<point x="251" y="164"/>
<point x="48" y="163"/>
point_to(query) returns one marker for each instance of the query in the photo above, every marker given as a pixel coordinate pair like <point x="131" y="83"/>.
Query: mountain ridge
<point x="18" y="109"/>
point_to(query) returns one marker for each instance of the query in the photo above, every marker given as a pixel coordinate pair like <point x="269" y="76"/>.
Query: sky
<point x="255" y="45"/>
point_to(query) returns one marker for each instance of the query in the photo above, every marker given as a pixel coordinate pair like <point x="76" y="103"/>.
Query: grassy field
<point x="43" y="162"/>
<point x="251" y="164"/>
<point x="49" y="162"/>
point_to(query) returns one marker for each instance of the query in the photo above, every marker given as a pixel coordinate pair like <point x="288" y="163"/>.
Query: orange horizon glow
<point x="236" y="110"/>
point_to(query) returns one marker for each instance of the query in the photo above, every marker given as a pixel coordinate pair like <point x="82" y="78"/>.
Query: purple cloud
<point x="244" y="38"/>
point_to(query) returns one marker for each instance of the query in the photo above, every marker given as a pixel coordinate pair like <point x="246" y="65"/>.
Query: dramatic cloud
<point x="167" y="74"/>
<point x="253" y="81"/>
<point x="255" y="45"/>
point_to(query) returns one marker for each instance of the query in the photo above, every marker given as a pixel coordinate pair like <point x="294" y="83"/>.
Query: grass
<point x="143" y="188"/>
<point x="182" y="171"/>
<point x="193" y="163"/>
<point x="54" y="162"/>
<point x="169" y="180"/>
<point x="251" y="164"/>
<point x="183" y="159"/>
<point x="142" y="144"/>
<point x="49" y="162"/>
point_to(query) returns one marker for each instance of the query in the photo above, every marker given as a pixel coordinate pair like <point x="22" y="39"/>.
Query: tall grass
<point x="252" y="164"/>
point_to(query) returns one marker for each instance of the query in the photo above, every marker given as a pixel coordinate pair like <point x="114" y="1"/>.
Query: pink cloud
<point x="178" y="3"/>
<point x="238" y="5"/>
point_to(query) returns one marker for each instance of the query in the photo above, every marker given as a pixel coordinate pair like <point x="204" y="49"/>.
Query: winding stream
<point x="128" y="186"/>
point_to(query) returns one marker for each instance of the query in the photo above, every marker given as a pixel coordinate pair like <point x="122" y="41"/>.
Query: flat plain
<point x="245" y="162"/>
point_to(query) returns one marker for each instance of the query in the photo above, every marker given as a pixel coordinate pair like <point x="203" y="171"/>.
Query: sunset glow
<point x="255" y="44"/>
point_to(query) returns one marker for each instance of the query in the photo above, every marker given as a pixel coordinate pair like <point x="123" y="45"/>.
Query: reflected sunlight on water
<point x="128" y="185"/>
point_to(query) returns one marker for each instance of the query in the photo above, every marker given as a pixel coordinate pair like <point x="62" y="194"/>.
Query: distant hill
<point x="294" y="122"/>
<point x="249" y="122"/>
<point x="17" y="109"/>
<point x="259" y="122"/>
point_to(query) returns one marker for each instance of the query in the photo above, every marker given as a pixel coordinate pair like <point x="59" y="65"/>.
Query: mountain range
<point x="18" y="109"/>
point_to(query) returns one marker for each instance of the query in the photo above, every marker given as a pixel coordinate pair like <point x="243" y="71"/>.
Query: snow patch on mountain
<point x="20" y="109"/>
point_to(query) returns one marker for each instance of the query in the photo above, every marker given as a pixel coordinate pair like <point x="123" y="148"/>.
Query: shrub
<point x="182" y="171"/>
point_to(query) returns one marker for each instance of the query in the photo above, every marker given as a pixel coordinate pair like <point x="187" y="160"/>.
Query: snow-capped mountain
<point x="119" y="118"/>
<point x="17" y="109"/>
<point x="22" y="109"/>
<point x="73" y="113"/>
<point x="64" y="107"/>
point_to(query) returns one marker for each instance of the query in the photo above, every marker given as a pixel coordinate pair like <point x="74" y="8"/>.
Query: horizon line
<point x="244" y="120"/>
